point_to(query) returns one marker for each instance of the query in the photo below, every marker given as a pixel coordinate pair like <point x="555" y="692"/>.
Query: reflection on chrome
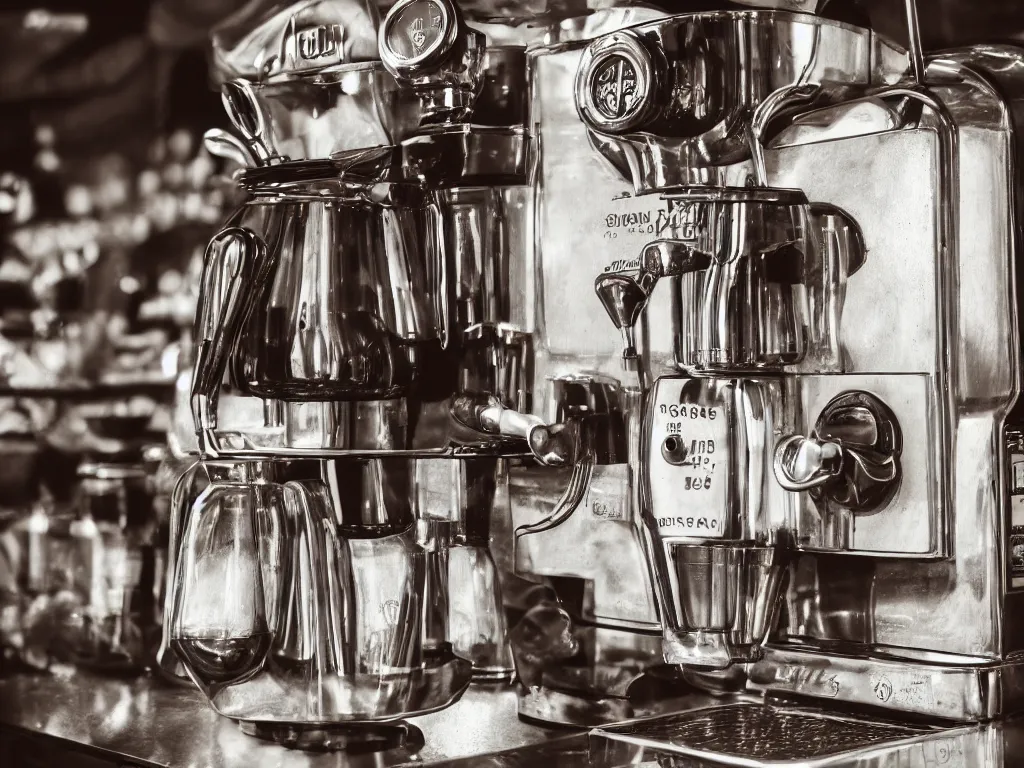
<point x="762" y="473"/>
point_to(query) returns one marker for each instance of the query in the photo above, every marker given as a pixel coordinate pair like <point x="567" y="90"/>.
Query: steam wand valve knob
<point x="852" y="458"/>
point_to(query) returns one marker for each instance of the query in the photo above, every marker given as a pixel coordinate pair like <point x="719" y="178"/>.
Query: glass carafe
<point x="113" y="565"/>
<point x="293" y="613"/>
<point x="320" y="289"/>
<point x="225" y="590"/>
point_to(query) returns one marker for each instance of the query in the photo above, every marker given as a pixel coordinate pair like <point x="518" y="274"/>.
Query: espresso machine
<point x="761" y="475"/>
<point x="474" y="162"/>
<point x="359" y="381"/>
<point x="820" y="331"/>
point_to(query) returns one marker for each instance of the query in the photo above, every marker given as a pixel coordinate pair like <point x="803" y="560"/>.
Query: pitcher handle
<point x="167" y="661"/>
<point x="232" y="256"/>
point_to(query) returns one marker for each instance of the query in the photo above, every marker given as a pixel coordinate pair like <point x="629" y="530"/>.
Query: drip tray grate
<point x="761" y="732"/>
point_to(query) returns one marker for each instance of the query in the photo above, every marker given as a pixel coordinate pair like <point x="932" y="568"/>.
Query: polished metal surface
<point x="430" y="50"/>
<point x="724" y="603"/>
<point x="435" y="229"/>
<point x="146" y="720"/>
<point x="908" y="607"/>
<point x="791" y="477"/>
<point x="741" y="258"/>
<point x="666" y="102"/>
<point x="870" y="463"/>
<point x="717" y="560"/>
<point x="933" y="685"/>
<point x="364" y="294"/>
<point x="577" y="529"/>
<point x="746" y="734"/>
<point x="312" y="78"/>
<point x="466" y="156"/>
<point x="641" y="217"/>
<point x="763" y="733"/>
<point x="347" y="372"/>
<point x="853" y="457"/>
<point x="267" y="40"/>
<point x="350" y="107"/>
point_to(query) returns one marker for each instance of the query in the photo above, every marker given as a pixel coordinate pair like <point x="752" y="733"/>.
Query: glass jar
<point x="113" y="569"/>
<point x="224" y="598"/>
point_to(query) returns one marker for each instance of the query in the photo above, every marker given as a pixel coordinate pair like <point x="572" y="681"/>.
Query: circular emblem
<point x="614" y="87"/>
<point x="415" y="28"/>
<point x="415" y="31"/>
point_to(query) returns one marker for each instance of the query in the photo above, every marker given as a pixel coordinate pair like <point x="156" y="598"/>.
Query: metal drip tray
<point x="750" y="734"/>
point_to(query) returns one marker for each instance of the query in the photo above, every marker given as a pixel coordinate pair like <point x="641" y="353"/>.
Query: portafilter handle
<point x="550" y="444"/>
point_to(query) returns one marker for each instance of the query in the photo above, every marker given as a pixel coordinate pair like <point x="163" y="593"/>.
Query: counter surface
<point x="78" y="720"/>
<point x="149" y="722"/>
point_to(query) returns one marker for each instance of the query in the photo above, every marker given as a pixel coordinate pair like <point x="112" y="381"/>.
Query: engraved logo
<point x="604" y="510"/>
<point x="390" y="610"/>
<point x="944" y="751"/>
<point x="832" y="687"/>
<point x="317" y="42"/>
<point x="615" y="88"/>
<point x="883" y="689"/>
<point x="421" y="26"/>
<point x="417" y="35"/>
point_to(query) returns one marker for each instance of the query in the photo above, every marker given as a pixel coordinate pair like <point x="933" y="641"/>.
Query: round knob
<point x="616" y="83"/>
<point x="426" y="42"/>
<point x="852" y="459"/>
<point x="552" y="445"/>
<point x="417" y="33"/>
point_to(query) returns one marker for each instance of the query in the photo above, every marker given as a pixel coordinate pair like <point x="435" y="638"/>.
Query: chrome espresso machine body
<point x="785" y="491"/>
<point x="583" y="652"/>
<point x="824" y="477"/>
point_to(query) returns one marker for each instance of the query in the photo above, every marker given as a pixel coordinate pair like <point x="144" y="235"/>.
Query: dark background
<point x="138" y="71"/>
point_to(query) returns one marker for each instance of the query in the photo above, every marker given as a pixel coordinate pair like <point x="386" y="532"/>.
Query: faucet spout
<point x="624" y="293"/>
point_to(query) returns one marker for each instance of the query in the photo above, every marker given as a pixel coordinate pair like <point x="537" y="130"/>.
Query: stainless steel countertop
<point x="148" y="720"/>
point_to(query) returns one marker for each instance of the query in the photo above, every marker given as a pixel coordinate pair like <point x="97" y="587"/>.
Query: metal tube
<point x="914" y="41"/>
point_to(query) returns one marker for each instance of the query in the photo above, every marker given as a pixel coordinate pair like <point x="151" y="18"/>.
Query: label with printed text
<point x="678" y="222"/>
<point x="689" y="463"/>
<point x="608" y="495"/>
